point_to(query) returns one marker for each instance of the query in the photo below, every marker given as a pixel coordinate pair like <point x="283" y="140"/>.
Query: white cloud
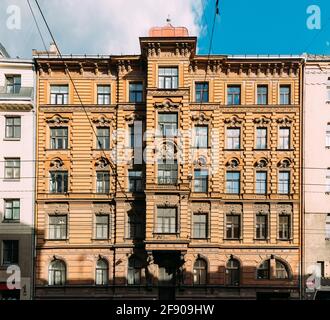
<point x="97" y="26"/>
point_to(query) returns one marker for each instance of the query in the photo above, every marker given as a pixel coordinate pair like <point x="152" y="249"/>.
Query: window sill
<point x="226" y="149"/>
<point x="266" y="149"/>
<point x="60" y="240"/>
<point x="166" y="234"/>
<point x="262" y="239"/>
<point x="11" y="139"/>
<point x="49" y="149"/>
<point x="10" y="221"/>
<point x="290" y="149"/>
<point x="95" y="149"/>
<point x="233" y="239"/>
<point x="201" y="148"/>
<point x="286" y="240"/>
<point x="99" y="239"/>
<point x="11" y="180"/>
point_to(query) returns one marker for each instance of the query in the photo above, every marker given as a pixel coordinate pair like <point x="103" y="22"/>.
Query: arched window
<point x="134" y="271"/>
<point x="263" y="271"/>
<point x="200" y="271"/>
<point x="233" y="272"/>
<point x="281" y="270"/>
<point x="57" y="273"/>
<point x="101" y="272"/>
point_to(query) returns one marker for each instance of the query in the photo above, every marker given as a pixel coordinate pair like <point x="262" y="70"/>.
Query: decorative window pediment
<point x="200" y="118"/>
<point x="284" y="163"/>
<point x="130" y="118"/>
<point x="102" y="120"/>
<point x="57" y="120"/>
<point x="200" y="162"/>
<point x="167" y="105"/>
<point x="56" y="164"/>
<point x="102" y="163"/>
<point x="262" y="121"/>
<point x="261" y="163"/>
<point x="234" y="121"/>
<point x="233" y="163"/>
<point x="285" y="121"/>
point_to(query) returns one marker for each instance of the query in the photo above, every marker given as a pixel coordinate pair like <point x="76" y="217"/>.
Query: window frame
<point x="201" y="183"/>
<point x="104" y="188"/>
<point x="232" y="181"/>
<point x="164" y="222"/>
<point x="173" y="78"/>
<point x="261" y="138"/>
<point x="15" y="169"/>
<point x="232" y="96"/>
<point x="263" y="231"/>
<point x="104" y="226"/>
<point x="197" y="233"/>
<point x="54" y="139"/>
<point x="199" y="142"/>
<point x="288" y="95"/>
<point x="13" y="127"/>
<point x="282" y="139"/>
<point x="133" y="94"/>
<point x="258" y="190"/>
<point x="14" y="255"/>
<point x="164" y="166"/>
<point x="201" y="92"/>
<point x="231" y="140"/>
<point x="262" y="96"/>
<point x="200" y="272"/>
<point x="281" y="184"/>
<point x="64" y="187"/>
<point x="55" y="229"/>
<point x="12" y="208"/>
<point x="102" y="140"/>
<point x="15" y="87"/>
<point x="230" y="226"/>
<point x="56" y="95"/>
<point x="165" y="127"/>
<point x="287" y="229"/>
<point x="103" y="98"/>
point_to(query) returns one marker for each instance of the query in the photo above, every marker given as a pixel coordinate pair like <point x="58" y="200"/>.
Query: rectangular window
<point x="327" y="181"/>
<point x="59" y="94"/>
<point x="58" y="182"/>
<point x="166" y="220"/>
<point x="102" y="182"/>
<point x="283" y="182"/>
<point x="233" y="138"/>
<point x="13" y="84"/>
<point x="12" y="168"/>
<point x="201" y="136"/>
<point x="136" y="92"/>
<point x="200" y="230"/>
<point x="103" y="94"/>
<point x="284" y="227"/>
<point x="135" y="181"/>
<point x="327" y="227"/>
<point x="168" y="77"/>
<point x="262" y="94"/>
<point x="327" y="141"/>
<point x="168" y="124"/>
<point x="9" y="252"/>
<point x="234" y="95"/>
<point x="167" y="171"/>
<point x="12" y="210"/>
<point x="328" y="93"/>
<point x="233" y="226"/>
<point x="285" y="92"/>
<point x="58" y="227"/>
<point x="284" y="138"/>
<point x="200" y="180"/>
<point x="233" y="182"/>
<point x="59" y="138"/>
<point x="103" y="138"/>
<point x="135" y="226"/>
<point x="261" y="139"/>
<point x="13" y="127"/>
<point x="261" y="182"/>
<point x="102" y="226"/>
<point x="201" y="92"/>
<point x="261" y="226"/>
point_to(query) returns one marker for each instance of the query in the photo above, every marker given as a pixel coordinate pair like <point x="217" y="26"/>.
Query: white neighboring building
<point x="317" y="172"/>
<point x="17" y="171"/>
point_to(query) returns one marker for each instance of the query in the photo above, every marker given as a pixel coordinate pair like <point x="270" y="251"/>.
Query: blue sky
<point x="266" y="27"/>
<point x="113" y="26"/>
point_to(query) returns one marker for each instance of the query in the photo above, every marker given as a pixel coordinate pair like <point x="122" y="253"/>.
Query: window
<point x="58" y="182"/>
<point x="9" y="252"/>
<point x="166" y="220"/>
<point x="201" y="136"/>
<point x="136" y="92"/>
<point x="234" y="95"/>
<point x="131" y="136"/>
<point x="233" y="226"/>
<point x="320" y="269"/>
<point x="103" y="94"/>
<point x="200" y="227"/>
<point x="135" y="181"/>
<point x="168" y="77"/>
<point x="284" y="138"/>
<point x="12" y="168"/>
<point x="201" y="180"/>
<point x="233" y="138"/>
<point x="233" y="182"/>
<point x="327" y="227"/>
<point x="102" y="182"/>
<point x="58" y="227"/>
<point x="263" y="271"/>
<point x="283" y="182"/>
<point x="168" y="124"/>
<point x="134" y="271"/>
<point x="327" y="136"/>
<point x="327" y="181"/>
<point x="13" y="127"/>
<point x="284" y="227"/>
<point x="233" y="272"/>
<point x="12" y="210"/>
<point x="167" y="171"/>
<point x="261" y="226"/>
<point x="200" y="272"/>
<point x="101" y="272"/>
<point x="59" y="138"/>
<point x="101" y="226"/>
<point x="135" y="135"/>
<point x="202" y="92"/>
<point x="59" y="94"/>
<point x="103" y="138"/>
<point x="135" y="225"/>
<point x="57" y="273"/>
<point x="285" y="92"/>
<point x="261" y="139"/>
<point x="328" y="93"/>
<point x="262" y="94"/>
<point x="261" y="182"/>
<point x="13" y="84"/>
<point x="281" y="271"/>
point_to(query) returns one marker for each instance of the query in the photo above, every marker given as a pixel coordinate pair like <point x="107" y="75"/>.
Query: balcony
<point x="25" y="93"/>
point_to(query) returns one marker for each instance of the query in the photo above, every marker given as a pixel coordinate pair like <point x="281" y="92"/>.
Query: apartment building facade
<point x="168" y="174"/>
<point x="17" y="120"/>
<point x="317" y="174"/>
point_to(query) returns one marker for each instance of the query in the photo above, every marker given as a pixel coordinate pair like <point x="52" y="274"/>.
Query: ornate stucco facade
<point x="181" y="234"/>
